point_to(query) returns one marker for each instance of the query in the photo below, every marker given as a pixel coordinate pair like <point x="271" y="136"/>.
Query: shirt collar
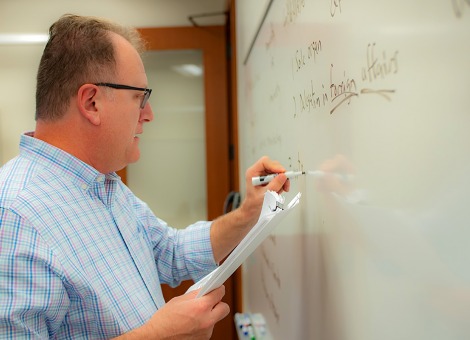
<point x="61" y="162"/>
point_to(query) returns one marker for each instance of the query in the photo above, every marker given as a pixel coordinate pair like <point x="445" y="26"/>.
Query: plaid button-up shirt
<point x="80" y="255"/>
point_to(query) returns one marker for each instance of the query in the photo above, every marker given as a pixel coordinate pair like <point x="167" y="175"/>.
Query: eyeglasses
<point x="147" y="92"/>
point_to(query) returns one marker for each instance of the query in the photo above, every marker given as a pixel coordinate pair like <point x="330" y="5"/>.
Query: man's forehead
<point x="127" y="57"/>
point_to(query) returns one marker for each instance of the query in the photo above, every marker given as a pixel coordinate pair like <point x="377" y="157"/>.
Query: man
<point x="80" y="255"/>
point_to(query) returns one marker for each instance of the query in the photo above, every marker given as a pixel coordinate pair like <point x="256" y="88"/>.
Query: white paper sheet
<point x="272" y="212"/>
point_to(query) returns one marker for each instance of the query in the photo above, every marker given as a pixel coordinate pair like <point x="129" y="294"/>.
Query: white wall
<point x="174" y="142"/>
<point x="18" y="64"/>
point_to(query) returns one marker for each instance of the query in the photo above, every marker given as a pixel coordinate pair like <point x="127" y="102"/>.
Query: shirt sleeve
<point x="180" y="254"/>
<point x="33" y="300"/>
<point x="189" y="250"/>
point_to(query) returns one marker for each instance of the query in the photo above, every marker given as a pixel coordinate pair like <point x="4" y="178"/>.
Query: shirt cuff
<point x="198" y="250"/>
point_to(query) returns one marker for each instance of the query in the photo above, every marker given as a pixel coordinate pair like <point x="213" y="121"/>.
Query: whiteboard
<point x="378" y="91"/>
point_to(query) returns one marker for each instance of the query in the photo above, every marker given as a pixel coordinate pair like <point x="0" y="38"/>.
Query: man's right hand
<point x="184" y="317"/>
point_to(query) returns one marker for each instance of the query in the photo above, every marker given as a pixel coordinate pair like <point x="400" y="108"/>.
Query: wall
<point x="174" y="142"/>
<point x="18" y="64"/>
<point x="375" y="95"/>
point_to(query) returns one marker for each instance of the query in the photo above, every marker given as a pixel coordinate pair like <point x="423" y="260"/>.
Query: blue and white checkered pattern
<point x="80" y="255"/>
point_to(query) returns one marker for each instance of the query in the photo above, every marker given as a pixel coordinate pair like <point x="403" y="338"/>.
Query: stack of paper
<point x="272" y="212"/>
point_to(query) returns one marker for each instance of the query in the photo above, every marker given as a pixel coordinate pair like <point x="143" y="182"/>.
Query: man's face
<point x="124" y="116"/>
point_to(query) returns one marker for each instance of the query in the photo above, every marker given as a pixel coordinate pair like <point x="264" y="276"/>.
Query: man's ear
<point x="87" y="97"/>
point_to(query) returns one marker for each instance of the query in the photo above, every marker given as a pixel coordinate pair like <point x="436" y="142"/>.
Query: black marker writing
<point x="341" y="92"/>
<point x="270" y="298"/>
<point x="309" y="100"/>
<point x="293" y="10"/>
<point x="302" y="56"/>
<point x="379" y="66"/>
<point x="383" y="92"/>
<point x="271" y="39"/>
<point x="334" y="6"/>
<point x="272" y="267"/>
<point x="314" y="49"/>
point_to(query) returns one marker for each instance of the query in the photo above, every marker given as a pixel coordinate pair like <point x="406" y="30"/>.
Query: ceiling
<point x="32" y="16"/>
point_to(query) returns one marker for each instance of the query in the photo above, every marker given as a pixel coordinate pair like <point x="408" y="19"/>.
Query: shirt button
<point x="100" y="178"/>
<point x="84" y="186"/>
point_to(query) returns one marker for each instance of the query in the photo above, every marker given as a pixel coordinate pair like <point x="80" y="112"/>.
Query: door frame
<point x="211" y="41"/>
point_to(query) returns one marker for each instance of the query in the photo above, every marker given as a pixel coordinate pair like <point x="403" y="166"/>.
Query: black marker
<point x="260" y="180"/>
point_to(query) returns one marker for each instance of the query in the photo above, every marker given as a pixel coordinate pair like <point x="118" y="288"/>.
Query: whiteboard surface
<point x="379" y="90"/>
